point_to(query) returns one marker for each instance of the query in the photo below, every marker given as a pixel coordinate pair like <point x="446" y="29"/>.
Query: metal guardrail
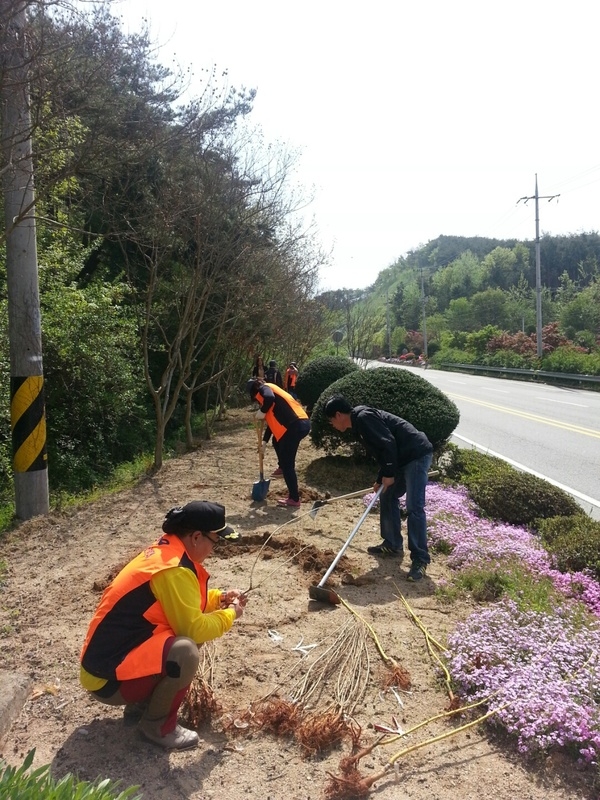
<point x="531" y="373"/>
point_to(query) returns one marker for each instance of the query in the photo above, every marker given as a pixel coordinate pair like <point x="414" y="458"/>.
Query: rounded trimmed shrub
<point x="520" y="498"/>
<point x="397" y="391"/>
<point x="319" y="374"/>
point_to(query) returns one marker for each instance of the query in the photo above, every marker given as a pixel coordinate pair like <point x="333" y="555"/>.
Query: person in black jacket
<point x="404" y="457"/>
<point x="273" y="375"/>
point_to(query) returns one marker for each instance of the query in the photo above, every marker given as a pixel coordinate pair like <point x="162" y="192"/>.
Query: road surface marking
<point x="564" y="402"/>
<point x="567" y="426"/>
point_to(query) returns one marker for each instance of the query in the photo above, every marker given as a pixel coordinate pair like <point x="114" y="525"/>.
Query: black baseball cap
<point x="200" y="515"/>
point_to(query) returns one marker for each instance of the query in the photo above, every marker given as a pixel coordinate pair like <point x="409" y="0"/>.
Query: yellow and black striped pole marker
<point x="28" y="422"/>
<point x="30" y="458"/>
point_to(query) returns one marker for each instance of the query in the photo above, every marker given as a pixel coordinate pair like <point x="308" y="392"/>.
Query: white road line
<point x="564" y="402"/>
<point x="493" y="389"/>
<point x="583" y="497"/>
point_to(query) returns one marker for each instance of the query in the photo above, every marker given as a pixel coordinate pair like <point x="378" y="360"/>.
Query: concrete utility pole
<point x="387" y="323"/>
<point x="538" y="265"/>
<point x="424" y="311"/>
<point x="27" y="407"/>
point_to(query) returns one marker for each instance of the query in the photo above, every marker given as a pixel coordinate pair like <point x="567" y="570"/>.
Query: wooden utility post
<point x="27" y="408"/>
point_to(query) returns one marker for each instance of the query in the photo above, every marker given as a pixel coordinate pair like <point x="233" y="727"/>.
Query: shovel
<point x="328" y="595"/>
<point x="260" y="488"/>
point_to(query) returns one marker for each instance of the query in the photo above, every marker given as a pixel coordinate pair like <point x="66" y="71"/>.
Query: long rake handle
<point x="346" y="496"/>
<point x="349" y="539"/>
<point x="362" y="492"/>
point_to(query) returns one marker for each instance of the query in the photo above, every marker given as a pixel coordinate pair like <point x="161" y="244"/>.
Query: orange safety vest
<point x="279" y="416"/>
<point x="291" y="376"/>
<point x="126" y="636"/>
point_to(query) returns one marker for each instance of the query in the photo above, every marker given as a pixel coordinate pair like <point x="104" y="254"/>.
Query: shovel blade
<point x="323" y="595"/>
<point x="260" y="490"/>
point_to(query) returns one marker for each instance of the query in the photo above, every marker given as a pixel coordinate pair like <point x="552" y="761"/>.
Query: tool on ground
<point x="260" y="488"/>
<point x="320" y="503"/>
<point x="318" y="592"/>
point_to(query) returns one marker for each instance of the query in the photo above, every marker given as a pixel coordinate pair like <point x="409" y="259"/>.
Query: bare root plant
<point x="200" y="702"/>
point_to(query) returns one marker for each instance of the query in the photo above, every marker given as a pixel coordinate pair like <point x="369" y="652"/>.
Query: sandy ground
<point x="58" y="565"/>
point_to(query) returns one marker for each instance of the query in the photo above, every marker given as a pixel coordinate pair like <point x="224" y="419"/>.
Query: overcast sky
<point x="413" y="118"/>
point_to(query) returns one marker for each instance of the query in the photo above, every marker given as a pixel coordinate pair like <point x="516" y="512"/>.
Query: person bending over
<point x="404" y="457"/>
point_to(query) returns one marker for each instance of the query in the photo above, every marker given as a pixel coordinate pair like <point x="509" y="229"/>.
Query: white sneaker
<point x="179" y="739"/>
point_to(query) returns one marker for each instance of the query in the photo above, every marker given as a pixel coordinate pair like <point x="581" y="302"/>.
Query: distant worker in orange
<point x="288" y="422"/>
<point x="291" y="377"/>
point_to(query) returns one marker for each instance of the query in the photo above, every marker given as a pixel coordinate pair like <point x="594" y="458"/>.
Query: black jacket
<point x="391" y="440"/>
<point x="273" y="375"/>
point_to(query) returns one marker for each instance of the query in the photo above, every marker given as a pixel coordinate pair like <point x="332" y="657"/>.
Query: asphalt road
<point x="551" y="431"/>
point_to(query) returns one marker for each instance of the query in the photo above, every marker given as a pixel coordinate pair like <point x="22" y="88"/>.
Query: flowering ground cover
<point x="539" y="666"/>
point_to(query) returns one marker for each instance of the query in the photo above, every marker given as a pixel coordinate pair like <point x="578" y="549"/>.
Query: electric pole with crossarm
<point x="538" y="266"/>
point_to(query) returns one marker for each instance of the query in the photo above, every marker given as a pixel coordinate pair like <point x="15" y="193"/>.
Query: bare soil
<point x="58" y="565"/>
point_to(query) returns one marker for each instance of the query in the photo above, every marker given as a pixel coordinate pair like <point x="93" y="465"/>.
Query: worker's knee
<point x="182" y="660"/>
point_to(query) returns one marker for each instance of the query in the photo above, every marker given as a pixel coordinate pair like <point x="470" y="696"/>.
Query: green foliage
<point x="94" y="382"/>
<point x="509" y="359"/>
<point x="569" y="359"/>
<point x="583" y="311"/>
<point x="23" y="783"/>
<point x="521" y="498"/>
<point x="504" y="493"/>
<point x="489" y="584"/>
<point x="317" y="375"/>
<point x="477" y="342"/>
<point x="452" y="355"/>
<point x="470" y="466"/>
<point x="395" y="390"/>
<point x="574" y="541"/>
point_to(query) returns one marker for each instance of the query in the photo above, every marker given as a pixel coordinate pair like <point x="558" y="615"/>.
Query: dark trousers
<point x="286" y="449"/>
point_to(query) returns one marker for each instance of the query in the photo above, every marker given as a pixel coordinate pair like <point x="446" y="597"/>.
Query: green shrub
<point x="568" y="359"/>
<point x="508" y="359"/>
<point x="574" y="542"/>
<point x="470" y="466"/>
<point x="24" y="784"/>
<point x="452" y="355"/>
<point x="504" y="493"/>
<point x="520" y="498"/>
<point x="319" y="374"/>
<point x="395" y="390"/>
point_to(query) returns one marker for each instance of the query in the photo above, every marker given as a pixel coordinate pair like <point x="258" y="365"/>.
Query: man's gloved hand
<point x="259" y="415"/>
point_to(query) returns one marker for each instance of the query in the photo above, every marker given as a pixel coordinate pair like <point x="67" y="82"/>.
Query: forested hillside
<point x="471" y="298"/>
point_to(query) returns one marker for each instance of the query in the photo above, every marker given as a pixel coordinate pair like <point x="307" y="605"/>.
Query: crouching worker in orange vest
<point x="141" y="649"/>
<point x="288" y="422"/>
